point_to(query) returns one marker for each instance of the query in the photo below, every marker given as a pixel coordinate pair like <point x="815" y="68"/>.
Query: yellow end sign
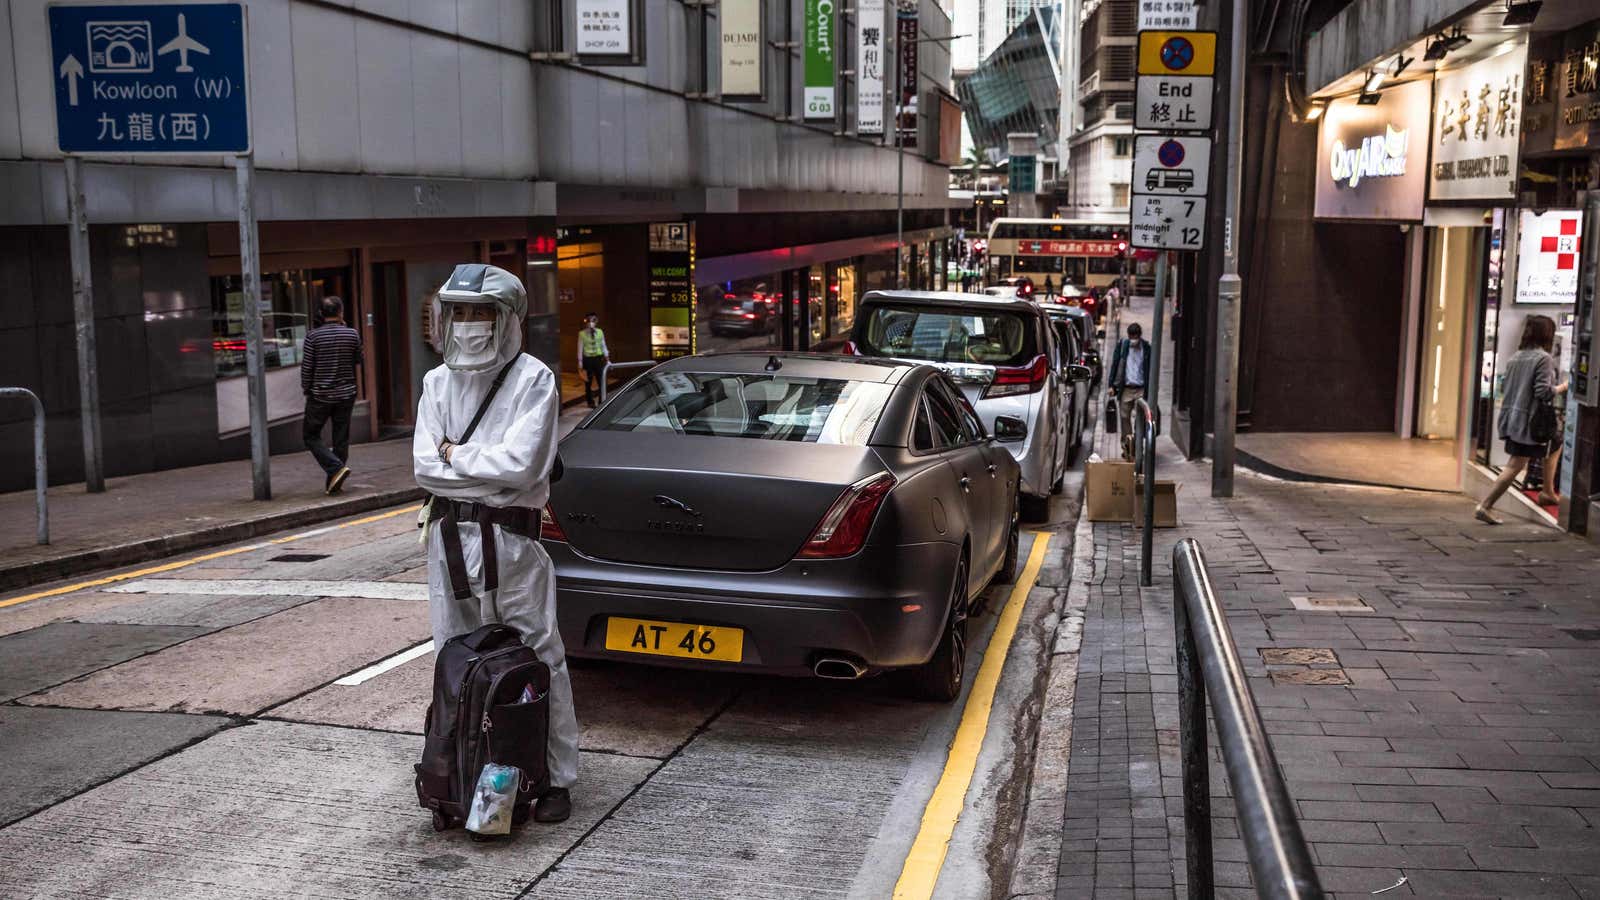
<point x="1177" y="53"/>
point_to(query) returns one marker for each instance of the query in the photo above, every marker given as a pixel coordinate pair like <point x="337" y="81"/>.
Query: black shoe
<point x="336" y="480"/>
<point x="554" y="806"/>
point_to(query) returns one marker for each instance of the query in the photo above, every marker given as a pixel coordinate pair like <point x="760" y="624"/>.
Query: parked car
<point x="783" y="513"/>
<point x="737" y="314"/>
<point x="1089" y="335"/>
<point x="1003" y="354"/>
<point x="1071" y="352"/>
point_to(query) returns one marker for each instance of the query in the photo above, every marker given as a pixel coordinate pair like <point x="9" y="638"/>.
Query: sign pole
<point x="255" y="372"/>
<point x="1230" y="288"/>
<point x="83" y="324"/>
<point x="900" y="171"/>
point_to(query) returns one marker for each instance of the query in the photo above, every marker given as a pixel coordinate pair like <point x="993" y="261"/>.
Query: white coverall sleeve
<point x="432" y="474"/>
<point x="526" y="449"/>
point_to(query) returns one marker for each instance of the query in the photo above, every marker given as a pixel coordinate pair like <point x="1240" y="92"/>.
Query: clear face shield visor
<point x="463" y="347"/>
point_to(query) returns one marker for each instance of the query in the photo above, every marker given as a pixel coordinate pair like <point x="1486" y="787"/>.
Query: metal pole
<point x="255" y="372"/>
<point x="83" y="323"/>
<point x="1230" y="289"/>
<point x="1195" y="759"/>
<point x="1153" y="393"/>
<point x="900" y="165"/>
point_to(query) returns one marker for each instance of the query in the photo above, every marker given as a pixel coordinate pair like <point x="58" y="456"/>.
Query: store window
<point x="843" y="294"/>
<point x="289" y="307"/>
<point x="815" y="303"/>
<point x="743" y="314"/>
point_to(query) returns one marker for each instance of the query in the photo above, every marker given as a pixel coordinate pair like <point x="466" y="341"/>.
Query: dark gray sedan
<point x="790" y="514"/>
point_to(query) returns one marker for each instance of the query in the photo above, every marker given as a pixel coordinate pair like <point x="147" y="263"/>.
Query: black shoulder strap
<point x="487" y="399"/>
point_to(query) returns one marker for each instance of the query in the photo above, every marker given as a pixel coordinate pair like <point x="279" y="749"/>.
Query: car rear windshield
<point x="773" y="407"/>
<point x="986" y="337"/>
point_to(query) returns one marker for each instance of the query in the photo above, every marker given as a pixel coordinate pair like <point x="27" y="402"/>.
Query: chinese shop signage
<point x="1371" y="162"/>
<point x="1477" y="118"/>
<point x="1547" y="256"/>
<point x="870" y="62"/>
<point x="1578" y="90"/>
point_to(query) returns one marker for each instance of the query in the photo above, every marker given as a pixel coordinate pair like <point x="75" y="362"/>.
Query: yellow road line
<point x="207" y="557"/>
<point x="921" y="870"/>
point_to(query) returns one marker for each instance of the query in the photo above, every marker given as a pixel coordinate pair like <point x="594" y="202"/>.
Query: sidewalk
<point x="1451" y="737"/>
<point x="149" y="516"/>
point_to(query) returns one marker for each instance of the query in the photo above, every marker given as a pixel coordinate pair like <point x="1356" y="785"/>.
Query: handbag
<point x="1542" y="424"/>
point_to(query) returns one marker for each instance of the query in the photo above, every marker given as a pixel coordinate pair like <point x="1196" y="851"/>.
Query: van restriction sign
<point x="1176" y="165"/>
<point x="1161" y="222"/>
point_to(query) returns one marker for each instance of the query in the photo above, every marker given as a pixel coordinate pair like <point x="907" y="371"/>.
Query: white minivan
<point x="1004" y="356"/>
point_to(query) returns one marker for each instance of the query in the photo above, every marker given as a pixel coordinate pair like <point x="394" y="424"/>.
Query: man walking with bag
<point x="1130" y="372"/>
<point x="329" y="359"/>
<point x="484" y="447"/>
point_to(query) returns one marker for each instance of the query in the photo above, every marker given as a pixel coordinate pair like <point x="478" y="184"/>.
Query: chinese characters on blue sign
<point x="150" y="79"/>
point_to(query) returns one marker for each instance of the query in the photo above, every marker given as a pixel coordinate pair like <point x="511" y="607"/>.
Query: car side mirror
<point x="1009" y="429"/>
<point x="1079" y="373"/>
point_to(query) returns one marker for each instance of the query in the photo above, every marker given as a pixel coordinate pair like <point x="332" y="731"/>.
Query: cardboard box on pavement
<point x="1166" y="512"/>
<point x="1108" y="491"/>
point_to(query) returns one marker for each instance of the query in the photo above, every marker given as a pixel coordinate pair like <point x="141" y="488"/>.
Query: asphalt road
<point x="228" y="726"/>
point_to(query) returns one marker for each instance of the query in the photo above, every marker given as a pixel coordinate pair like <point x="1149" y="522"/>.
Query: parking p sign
<point x="167" y="78"/>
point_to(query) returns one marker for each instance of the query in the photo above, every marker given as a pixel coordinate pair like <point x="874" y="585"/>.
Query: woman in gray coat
<point x="1530" y="380"/>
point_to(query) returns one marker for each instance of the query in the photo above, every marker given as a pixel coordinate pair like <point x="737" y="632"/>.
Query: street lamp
<point x="900" y="155"/>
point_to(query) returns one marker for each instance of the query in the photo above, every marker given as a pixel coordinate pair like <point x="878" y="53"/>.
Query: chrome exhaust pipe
<point x="840" y="669"/>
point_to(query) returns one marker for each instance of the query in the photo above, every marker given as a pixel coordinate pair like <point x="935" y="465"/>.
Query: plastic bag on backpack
<point x="493" y="799"/>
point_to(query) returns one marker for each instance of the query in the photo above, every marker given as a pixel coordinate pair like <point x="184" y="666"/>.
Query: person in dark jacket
<point x="1130" y="372"/>
<point x="328" y="363"/>
<point x="1530" y="381"/>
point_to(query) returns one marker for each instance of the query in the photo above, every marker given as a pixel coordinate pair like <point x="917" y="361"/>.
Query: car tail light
<point x="850" y="349"/>
<point x="749" y="315"/>
<point x="1010" y="381"/>
<point x="844" y="526"/>
<point x="549" y="526"/>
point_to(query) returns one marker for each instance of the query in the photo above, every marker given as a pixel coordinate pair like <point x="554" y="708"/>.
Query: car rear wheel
<point x="940" y="678"/>
<point x="1036" y="509"/>
<point x="1008" y="566"/>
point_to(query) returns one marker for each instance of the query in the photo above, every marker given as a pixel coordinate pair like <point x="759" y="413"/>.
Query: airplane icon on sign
<point x="183" y="45"/>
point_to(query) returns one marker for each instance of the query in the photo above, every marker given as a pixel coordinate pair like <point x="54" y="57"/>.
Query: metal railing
<point x="41" y="478"/>
<point x="1208" y="663"/>
<point x="605" y="374"/>
<point x="1144" y="440"/>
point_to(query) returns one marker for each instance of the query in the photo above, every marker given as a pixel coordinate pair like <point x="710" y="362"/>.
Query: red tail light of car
<point x="1010" y="381"/>
<point x="844" y="526"/>
<point x="549" y="526"/>
<point x="749" y="315"/>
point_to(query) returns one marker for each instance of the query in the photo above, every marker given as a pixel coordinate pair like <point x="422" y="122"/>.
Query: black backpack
<point x="475" y="719"/>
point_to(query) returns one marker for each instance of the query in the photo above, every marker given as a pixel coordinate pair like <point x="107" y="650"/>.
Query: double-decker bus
<point x="1079" y="252"/>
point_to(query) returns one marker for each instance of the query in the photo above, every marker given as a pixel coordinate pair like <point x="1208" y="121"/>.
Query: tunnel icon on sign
<point x="120" y="48"/>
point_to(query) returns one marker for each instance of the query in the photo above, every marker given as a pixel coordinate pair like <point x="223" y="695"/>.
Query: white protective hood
<point x="480" y="283"/>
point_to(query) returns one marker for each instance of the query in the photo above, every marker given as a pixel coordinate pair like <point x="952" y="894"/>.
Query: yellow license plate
<point x="678" y="639"/>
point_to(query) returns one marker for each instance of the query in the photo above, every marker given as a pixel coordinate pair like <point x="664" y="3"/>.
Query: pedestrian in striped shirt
<point x="328" y="363"/>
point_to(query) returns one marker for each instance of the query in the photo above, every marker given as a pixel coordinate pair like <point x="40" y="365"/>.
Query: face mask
<point x="471" y="345"/>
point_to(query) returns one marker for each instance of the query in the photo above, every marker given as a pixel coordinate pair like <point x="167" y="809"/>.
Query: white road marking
<point x="268" y="587"/>
<point x="382" y="666"/>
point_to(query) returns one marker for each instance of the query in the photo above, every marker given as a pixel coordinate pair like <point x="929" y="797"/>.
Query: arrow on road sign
<point x="71" y="70"/>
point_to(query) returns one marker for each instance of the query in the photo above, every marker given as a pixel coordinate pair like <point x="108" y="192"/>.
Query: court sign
<point x="150" y="78"/>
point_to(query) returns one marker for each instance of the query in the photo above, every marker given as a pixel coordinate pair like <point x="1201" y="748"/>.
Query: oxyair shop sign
<point x="1477" y="114"/>
<point x="1370" y="164"/>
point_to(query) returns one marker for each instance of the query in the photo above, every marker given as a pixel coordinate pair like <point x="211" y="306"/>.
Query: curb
<point x="1038" y="855"/>
<point x="77" y="563"/>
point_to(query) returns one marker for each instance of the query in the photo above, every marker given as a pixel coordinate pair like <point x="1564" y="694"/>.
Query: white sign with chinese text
<point x="1477" y="120"/>
<point x="1173" y="102"/>
<point x="870" y="61"/>
<point x="742" y="49"/>
<point x="605" y="27"/>
<point x="1161" y="15"/>
<point x="1168" y="223"/>
<point x="1547" y="256"/>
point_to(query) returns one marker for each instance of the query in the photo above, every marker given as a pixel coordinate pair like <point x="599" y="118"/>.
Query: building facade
<point x="1100" y="160"/>
<point x="393" y="142"/>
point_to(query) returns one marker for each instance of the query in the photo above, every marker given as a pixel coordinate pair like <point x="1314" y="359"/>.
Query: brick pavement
<point x="1457" y="743"/>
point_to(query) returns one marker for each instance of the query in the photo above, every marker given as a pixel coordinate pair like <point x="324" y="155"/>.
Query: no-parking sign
<point x="1178" y="165"/>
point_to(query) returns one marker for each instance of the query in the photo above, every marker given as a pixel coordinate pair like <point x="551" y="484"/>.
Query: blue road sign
<point x="166" y="78"/>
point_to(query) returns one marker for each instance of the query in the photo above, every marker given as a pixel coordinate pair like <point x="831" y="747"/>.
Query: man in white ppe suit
<point x="484" y="560"/>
